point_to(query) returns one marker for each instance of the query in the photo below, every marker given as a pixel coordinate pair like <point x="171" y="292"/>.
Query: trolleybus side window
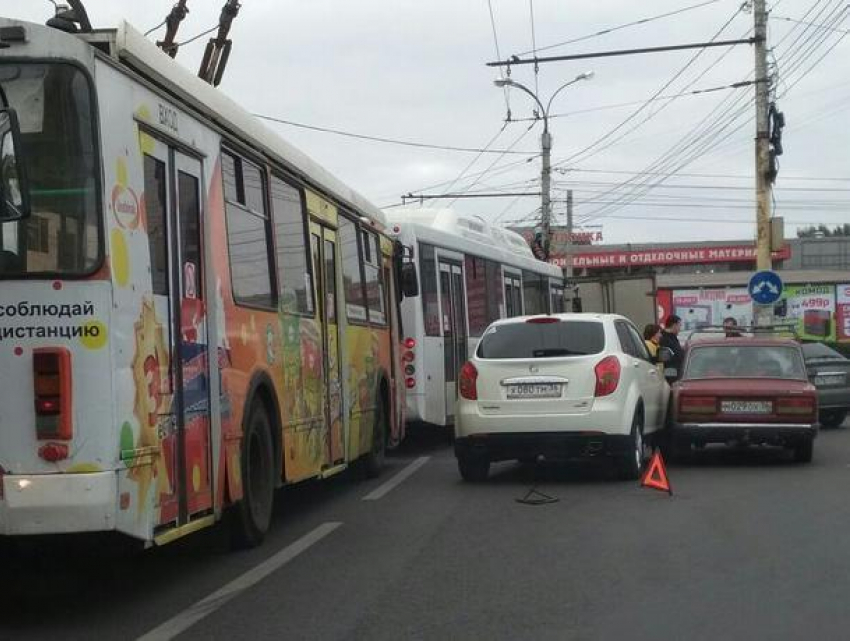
<point x="557" y="302"/>
<point x="495" y="293"/>
<point x="155" y="199"/>
<point x="374" y="278"/>
<point x="534" y="293"/>
<point x="477" y="295"/>
<point x="293" y="262"/>
<point x="355" y="299"/>
<point x="428" y="278"/>
<point x="247" y="233"/>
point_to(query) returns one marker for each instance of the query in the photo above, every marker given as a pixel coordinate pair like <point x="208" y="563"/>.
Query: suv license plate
<point x="746" y="407"/>
<point x="534" y="390"/>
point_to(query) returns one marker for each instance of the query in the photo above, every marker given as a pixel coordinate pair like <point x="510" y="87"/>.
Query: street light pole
<point x="546" y="153"/>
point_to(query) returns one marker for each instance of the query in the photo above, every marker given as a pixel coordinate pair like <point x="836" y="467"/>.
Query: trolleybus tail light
<point x="607" y="376"/>
<point x="53" y="393"/>
<point x="410" y="382"/>
<point x="468" y="383"/>
<point x="410" y="370"/>
<point x="53" y="452"/>
<point x="410" y="343"/>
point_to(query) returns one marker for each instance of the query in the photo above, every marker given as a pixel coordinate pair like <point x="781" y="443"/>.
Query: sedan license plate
<point x="534" y="390"/>
<point x="823" y="380"/>
<point x="746" y="407"/>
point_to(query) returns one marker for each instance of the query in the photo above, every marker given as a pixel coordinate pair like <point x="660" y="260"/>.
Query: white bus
<point x="470" y="274"/>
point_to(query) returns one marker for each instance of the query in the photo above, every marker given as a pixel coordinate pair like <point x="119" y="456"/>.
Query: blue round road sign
<point x="765" y="287"/>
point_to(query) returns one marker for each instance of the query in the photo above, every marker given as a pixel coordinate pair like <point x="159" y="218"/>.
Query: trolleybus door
<point x="179" y="388"/>
<point x="453" y="301"/>
<point x="323" y="246"/>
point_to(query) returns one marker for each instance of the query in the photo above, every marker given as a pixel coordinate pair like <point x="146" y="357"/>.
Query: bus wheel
<point x="253" y="514"/>
<point x="374" y="461"/>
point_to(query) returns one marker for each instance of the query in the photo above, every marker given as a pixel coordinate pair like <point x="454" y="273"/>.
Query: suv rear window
<point x="542" y="340"/>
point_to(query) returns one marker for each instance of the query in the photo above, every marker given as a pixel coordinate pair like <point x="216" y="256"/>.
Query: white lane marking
<point x="205" y="607"/>
<point x="382" y="490"/>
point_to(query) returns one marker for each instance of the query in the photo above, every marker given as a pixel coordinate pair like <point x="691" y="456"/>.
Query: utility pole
<point x="546" y="184"/>
<point x="763" y="313"/>
<point x="568" y="246"/>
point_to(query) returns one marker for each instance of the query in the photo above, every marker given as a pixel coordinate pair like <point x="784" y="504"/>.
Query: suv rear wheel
<point x="629" y="466"/>
<point x="473" y="468"/>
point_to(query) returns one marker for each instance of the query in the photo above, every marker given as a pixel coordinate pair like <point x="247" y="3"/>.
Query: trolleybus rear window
<point x="55" y="107"/>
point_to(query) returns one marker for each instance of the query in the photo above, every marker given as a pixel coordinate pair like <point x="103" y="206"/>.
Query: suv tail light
<point x="542" y="320"/>
<point x="468" y="383"/>
<point x="698" y="405"/>
<point x="607" y="376"/>
<point x="53" y="393"/>
<point x="802" y="406"/>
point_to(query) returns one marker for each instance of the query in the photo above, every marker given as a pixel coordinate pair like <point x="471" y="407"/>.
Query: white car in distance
<point x="564" y="386"/>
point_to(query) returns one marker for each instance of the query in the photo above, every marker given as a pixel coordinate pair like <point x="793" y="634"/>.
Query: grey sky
<point x="415" y="71"/>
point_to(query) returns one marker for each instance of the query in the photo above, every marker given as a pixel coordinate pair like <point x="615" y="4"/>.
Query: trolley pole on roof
<point x="763" y="313"/>
<point x="178" y="13"/>
<point x="218" y="48"/>
<point x="546" y="151"/>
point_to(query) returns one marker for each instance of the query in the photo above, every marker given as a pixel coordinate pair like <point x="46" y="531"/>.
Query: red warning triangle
<point x="655" y="475"/>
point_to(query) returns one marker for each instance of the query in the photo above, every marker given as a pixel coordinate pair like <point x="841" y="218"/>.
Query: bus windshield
<point x="55" y="108"/>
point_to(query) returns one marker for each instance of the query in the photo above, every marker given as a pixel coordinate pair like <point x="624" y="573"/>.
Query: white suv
<point x="563" y="386"/>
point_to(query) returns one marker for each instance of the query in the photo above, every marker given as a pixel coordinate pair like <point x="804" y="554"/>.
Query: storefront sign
<point x="681" y="256"/>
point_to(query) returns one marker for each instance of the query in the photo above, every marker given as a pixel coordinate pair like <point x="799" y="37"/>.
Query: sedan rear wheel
<point x="803" y="451"/>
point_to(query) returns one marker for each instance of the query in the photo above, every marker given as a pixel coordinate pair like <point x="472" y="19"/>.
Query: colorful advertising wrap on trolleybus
<point x="192" y="312"/>
<point x="470" y="274"/>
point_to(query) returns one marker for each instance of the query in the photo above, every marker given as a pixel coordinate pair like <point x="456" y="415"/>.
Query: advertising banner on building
<point x="842" y="311"/>
<point x="811" y="308"/>
<point x="708" y="307"/>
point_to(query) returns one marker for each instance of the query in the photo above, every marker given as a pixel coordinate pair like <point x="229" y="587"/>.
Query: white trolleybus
<point x="470" y="274"/>
<point x="192" y="312"/>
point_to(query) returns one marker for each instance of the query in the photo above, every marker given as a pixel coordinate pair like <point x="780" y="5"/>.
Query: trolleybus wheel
<point x="252" y="515"/>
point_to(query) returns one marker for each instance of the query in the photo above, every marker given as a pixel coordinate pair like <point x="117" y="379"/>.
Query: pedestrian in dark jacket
<point x="670" y="340"/>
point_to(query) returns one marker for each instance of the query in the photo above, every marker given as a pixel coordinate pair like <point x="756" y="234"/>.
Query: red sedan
<point x="744" y="391"/>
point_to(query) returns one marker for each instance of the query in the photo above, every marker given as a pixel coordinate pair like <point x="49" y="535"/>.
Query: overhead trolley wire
<point x="610" y="30"/>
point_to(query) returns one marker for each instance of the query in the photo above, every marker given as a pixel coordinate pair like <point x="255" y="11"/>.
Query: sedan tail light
<point x="698" y="405"/>
<point x="802" y="406"/>
<point x="468" y="383"/>
<point x="607" y="376"/>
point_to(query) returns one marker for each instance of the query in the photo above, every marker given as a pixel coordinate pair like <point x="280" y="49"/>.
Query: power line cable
<point x="534" y="47"/>
<point x="391" y="141"/>
<point x="198" y="37"/>
<point x="493" y="164"/>
<point x="499" y="56"/>
<point x="584" y="154"/>
<point x="610" y="30"/>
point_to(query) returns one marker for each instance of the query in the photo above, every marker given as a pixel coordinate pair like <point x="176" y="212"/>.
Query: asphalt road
<point x="750" y="546"/>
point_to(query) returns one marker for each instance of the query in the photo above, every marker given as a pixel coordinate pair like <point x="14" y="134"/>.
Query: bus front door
<point x="181" y="389"/>
<point x="453" y="301"/>
<point x="323" y="243"/>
